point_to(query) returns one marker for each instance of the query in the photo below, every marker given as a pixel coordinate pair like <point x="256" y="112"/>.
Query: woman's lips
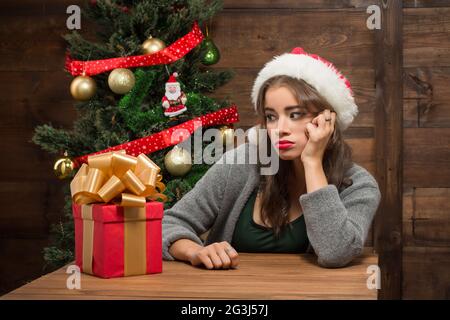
<point x="284" y="145"/>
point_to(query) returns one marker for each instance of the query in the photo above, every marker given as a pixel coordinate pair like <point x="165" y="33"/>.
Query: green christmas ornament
<point x="211" y="52"/>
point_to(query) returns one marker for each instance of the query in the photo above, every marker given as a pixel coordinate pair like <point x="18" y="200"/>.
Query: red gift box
<point x="116" y="241"/>
<point x="124" y="238"/>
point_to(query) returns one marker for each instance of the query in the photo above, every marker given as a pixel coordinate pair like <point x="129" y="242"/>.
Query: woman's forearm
<point x="183" y="249"/>
<point x="314" y="176"/>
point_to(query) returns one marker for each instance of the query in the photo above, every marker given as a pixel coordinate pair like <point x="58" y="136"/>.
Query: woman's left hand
<point x="318" y="131"/>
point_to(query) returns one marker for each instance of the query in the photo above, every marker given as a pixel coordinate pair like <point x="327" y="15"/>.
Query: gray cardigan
<point x="337" y="223"/>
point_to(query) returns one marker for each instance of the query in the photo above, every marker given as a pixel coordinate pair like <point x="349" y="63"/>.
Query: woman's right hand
<point x="218" y="255"/>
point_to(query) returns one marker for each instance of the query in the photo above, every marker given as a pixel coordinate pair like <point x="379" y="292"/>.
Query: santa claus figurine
<point x="174" y="100"/>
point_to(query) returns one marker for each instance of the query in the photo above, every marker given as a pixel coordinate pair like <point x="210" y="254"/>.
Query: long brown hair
<point x="337" y="159"/>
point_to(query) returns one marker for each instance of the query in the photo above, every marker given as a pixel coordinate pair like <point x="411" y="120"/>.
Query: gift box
<point x="118" y="228"/>
<point x="115" y="241"/>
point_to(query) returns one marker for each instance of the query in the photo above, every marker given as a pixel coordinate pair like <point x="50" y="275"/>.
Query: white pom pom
<point x="175" y="74"/>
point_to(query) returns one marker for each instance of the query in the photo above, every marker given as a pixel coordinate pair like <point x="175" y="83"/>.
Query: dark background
<point x="400" y="75"/>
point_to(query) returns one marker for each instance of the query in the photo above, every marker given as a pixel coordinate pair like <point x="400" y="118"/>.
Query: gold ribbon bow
<point x="108" y="175"/>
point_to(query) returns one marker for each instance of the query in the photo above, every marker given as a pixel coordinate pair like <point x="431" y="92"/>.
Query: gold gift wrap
<point x="113" y="175"/>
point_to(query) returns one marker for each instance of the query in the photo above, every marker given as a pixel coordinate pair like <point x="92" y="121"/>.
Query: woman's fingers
<point x="217" y="262"/>
<point x="234" y="256"/>
<point x="220" y="258"/>
<point x="228" y="255"/>
<point x="323" y="123"/>
<point x="205" y="260"/>
<point x="226" y="261"/>
<point x="333" y="120"/>
<point x="217" y="256"/>
<point x="321" y="120"/>
<point x="231" y="253"/>
<point x="327" y="118"/>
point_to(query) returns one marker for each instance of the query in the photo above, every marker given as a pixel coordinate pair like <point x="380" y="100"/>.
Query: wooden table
<point x="258" y="276"/>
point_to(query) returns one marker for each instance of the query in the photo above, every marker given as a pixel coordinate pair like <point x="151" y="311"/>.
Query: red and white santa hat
<point x="317" y="72"/>
<point x="173" y="80"/>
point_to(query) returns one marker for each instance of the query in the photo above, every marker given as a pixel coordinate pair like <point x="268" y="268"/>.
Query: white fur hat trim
<point x="318" y="73"/>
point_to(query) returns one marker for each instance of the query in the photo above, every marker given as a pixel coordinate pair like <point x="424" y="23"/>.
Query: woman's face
<point x="286" y="122"/>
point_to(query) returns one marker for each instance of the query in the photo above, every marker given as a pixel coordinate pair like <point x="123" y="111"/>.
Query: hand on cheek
<point x="318" y="132"/>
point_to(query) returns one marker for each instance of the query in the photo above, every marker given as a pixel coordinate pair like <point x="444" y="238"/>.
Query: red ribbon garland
<point x="163" y="139"/>
<point x="170" y="54"/>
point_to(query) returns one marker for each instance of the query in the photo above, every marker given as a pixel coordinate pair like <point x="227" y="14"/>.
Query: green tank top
<point x="249" y="236"/>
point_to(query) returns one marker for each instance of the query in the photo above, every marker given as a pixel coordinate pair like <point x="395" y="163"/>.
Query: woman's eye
<point x="297" y="115"/>
<point x="269" y="117"/>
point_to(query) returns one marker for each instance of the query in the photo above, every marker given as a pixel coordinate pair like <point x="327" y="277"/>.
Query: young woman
<point x="318" y="200"/>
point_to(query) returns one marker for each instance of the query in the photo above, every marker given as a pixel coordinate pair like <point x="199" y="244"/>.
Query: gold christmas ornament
<point x="121" y="80"/>
<point x="83" y="88"/>
<point x="178" y="161"/>
<point x="227" y="135"/>
<point x="152" y="45"/>
<point x="63" y="167"/>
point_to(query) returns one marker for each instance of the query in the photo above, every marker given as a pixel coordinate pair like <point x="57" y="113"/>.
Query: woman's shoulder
<point x="358" y="172"/>
<point x="361" y="178"/>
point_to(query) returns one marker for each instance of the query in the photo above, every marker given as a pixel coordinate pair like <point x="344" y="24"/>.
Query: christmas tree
<point x="113" y="111"/>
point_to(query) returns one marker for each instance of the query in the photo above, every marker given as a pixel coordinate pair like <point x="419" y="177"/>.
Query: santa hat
<point x="173" y="79"/>
<point x="317" y="72"/>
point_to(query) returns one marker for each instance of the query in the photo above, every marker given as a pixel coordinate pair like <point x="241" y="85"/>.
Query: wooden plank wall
<point x="35" y="90"/>
<point x="388" y="147"/>
<point x="426" y="147"/>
